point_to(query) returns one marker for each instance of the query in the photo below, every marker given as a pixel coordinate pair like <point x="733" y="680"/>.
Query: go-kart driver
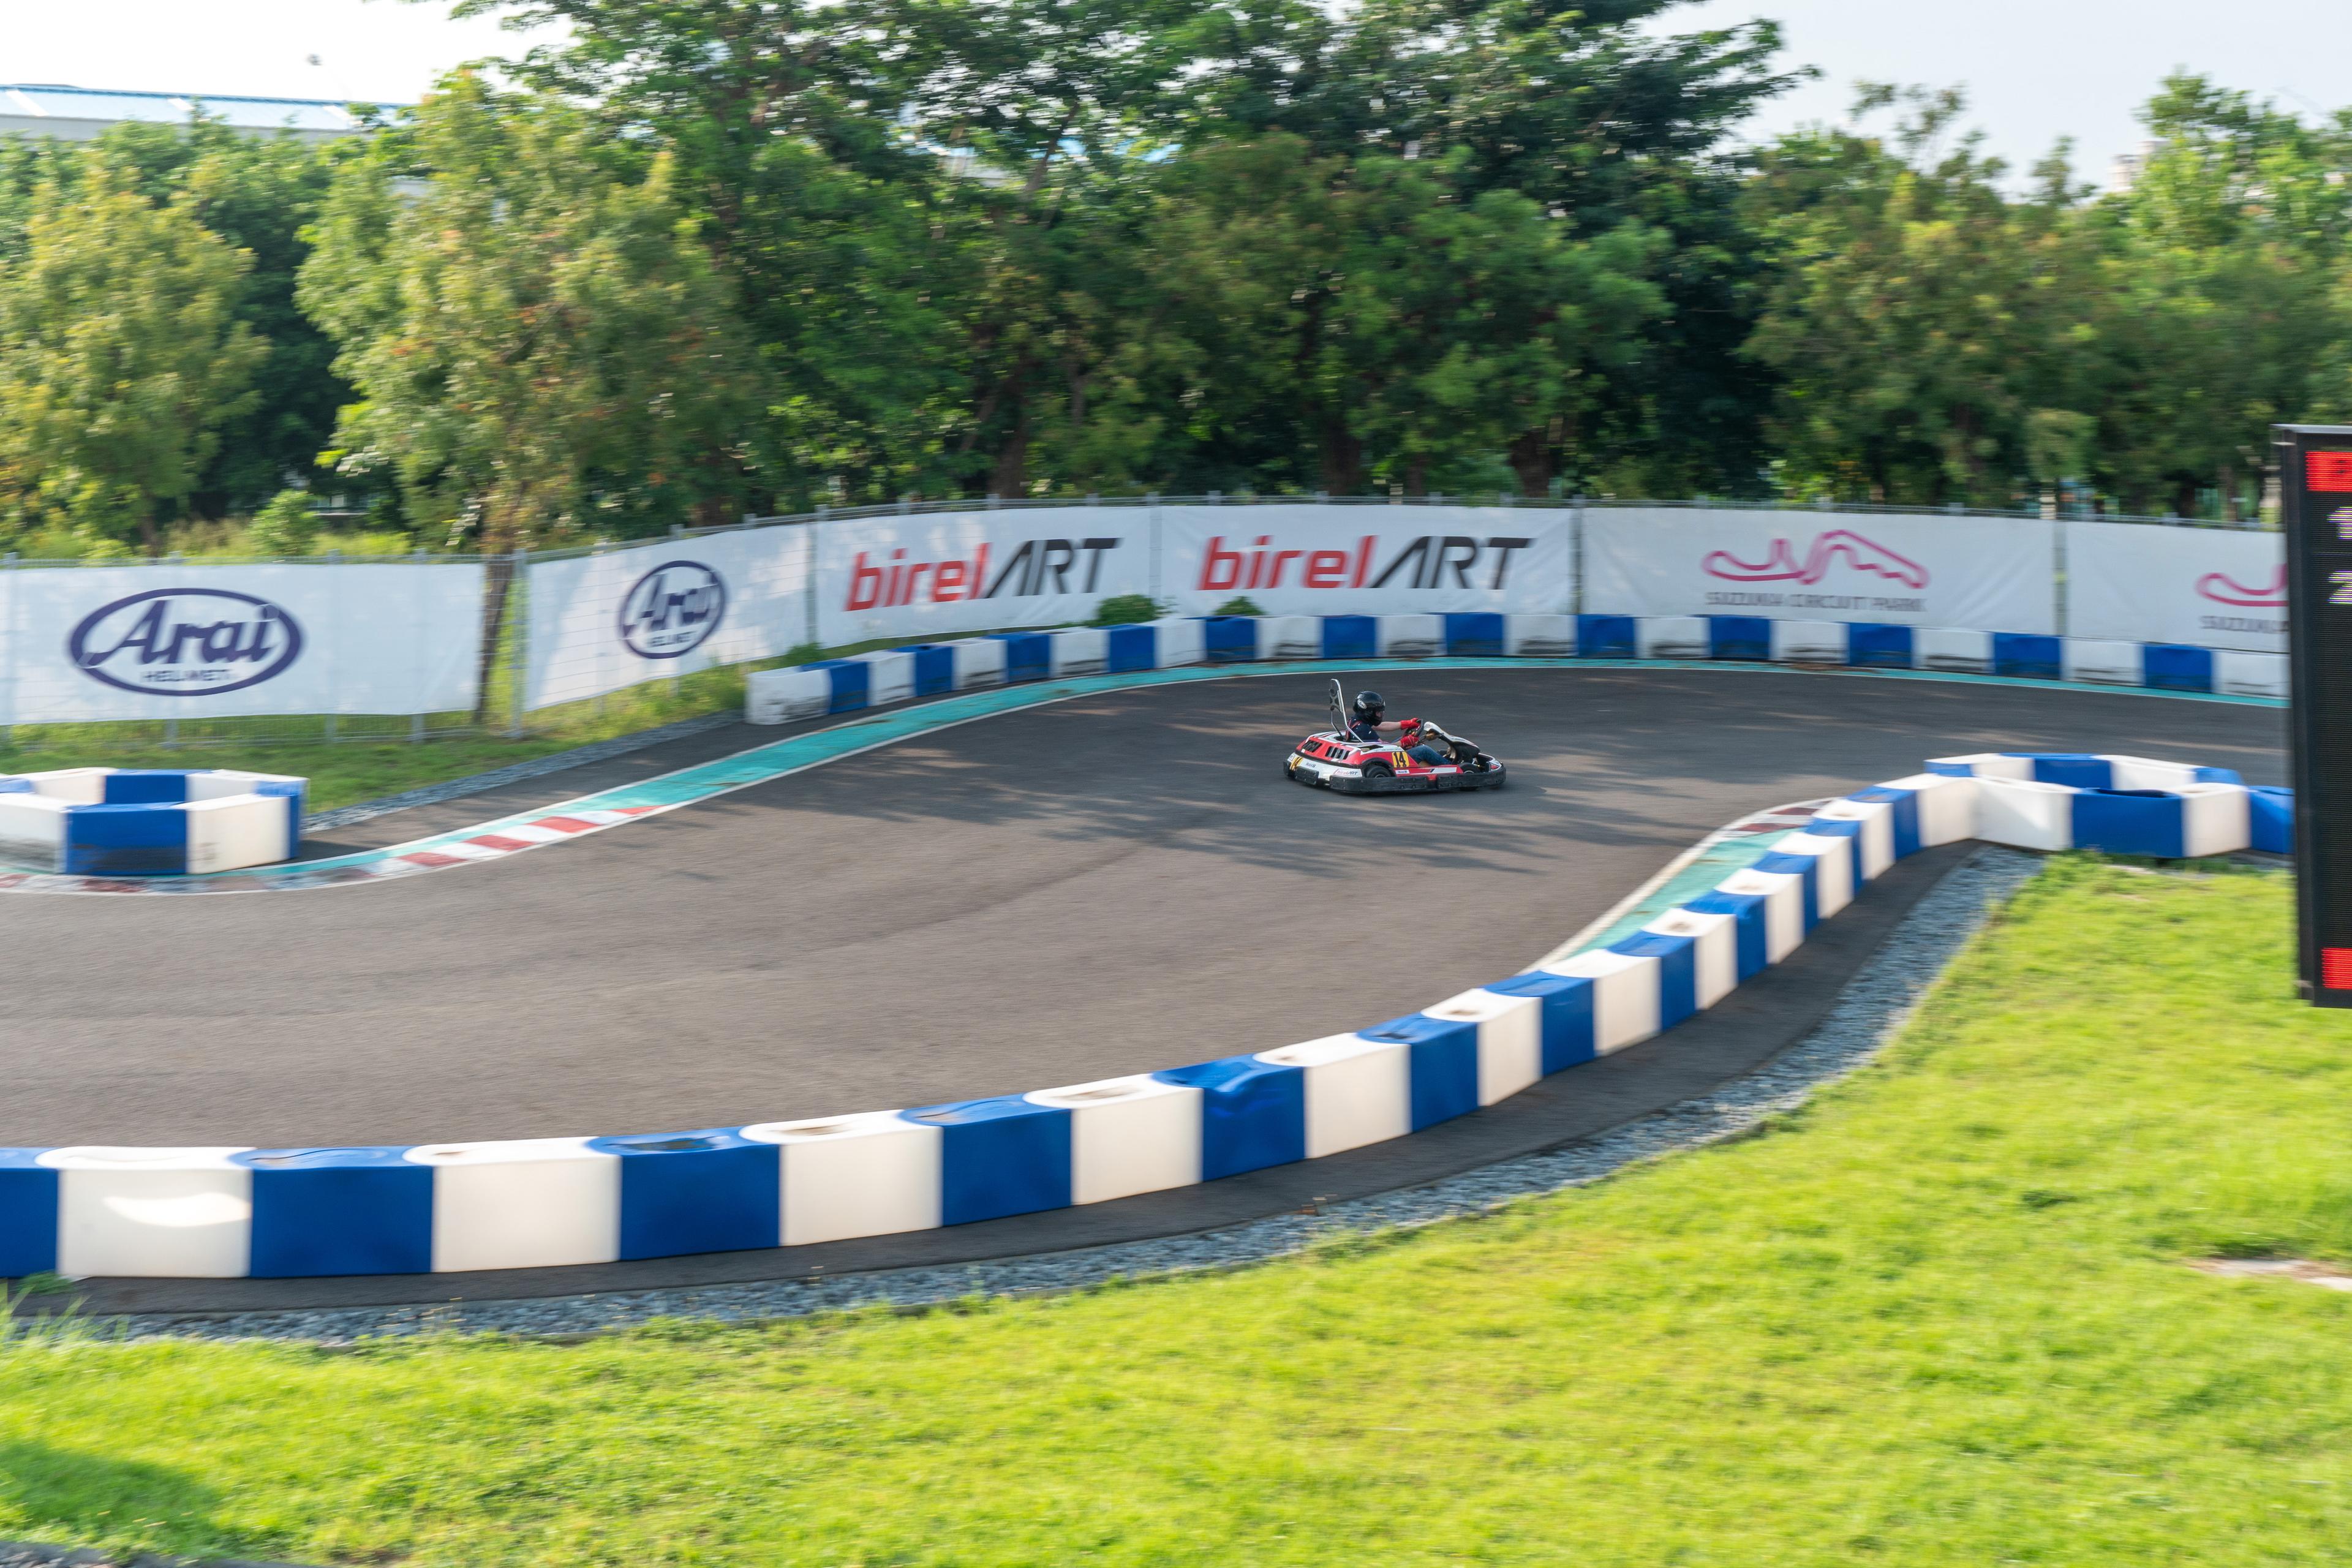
<point x="1364" y="724"/>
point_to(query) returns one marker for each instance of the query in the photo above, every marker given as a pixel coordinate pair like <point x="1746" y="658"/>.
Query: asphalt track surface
<point x="1106" y="885"/>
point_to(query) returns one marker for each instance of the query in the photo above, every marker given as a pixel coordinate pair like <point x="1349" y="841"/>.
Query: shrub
<point x="286" y="526"/>
<point x="1126" y="610"/>
<point x="1241" y="606"/>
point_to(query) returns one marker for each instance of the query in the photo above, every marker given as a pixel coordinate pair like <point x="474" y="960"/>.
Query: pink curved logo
<point x="1862" y="555"/>
<point x="2219" y="587"/>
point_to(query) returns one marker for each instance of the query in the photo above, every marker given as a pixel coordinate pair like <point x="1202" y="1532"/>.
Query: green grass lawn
<point x="1940" y="1317"/>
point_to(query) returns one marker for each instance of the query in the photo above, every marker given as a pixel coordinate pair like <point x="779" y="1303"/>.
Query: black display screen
<point x="2316" y="492"/>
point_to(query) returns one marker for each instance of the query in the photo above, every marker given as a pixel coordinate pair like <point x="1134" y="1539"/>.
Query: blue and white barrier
<point x="534" y="1203"/>
<point x="872" y="679"/>
<point x="119" y="822"/>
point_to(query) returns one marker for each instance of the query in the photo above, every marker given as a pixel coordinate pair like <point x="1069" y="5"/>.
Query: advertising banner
<point x="225" y="641"/>
<point x="946" y="573"/>
<point x="1366" y="560"/>
<point x="600" y="623"/>
<point x="1992" y="574"/>
<point x="2146" y="582"/>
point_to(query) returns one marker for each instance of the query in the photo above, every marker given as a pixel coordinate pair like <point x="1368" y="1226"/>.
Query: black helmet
<point x="1368" y="705"/>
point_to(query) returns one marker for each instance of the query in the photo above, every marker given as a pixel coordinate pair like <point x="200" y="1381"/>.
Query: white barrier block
<point x="1946" y="805"/>
<point x="1877" y="840"/>
<point x="1715" y="969"/>
<point x="784" y="696"/>
<point x="178" y="1213"/>
<point x="219" y="784"/>
<point x="979" y="661"/>
<point x="1540" y="637"/>
<point x="33" y="831"/>
<point x="1953" y="648"/>
<point x="1834" y="875"/>
<point x="2147" y="773"/>
<point x="2106" y="663"/>
<point x="1510" y="1039"/>
<point x="872" y="1173"/>
<point x="1625" y="996"/>
<point x="1358" y="1091"/>
<point x="244" y="830"/>
<point x="2250" y="674"/>
<point x="1290" y="636"/>
<point x="1080" y="650"/>
<point x="1178" y="640"/>
<point x="1809" y="642"/>
<point x="1128" y="1135"/>
<point x="1988" y="765"/>
<point x="526" y="1202"/>
<point x="889" y="676"/>
<point x="1411" y="636"/>
<point x="1783" y="893"/>
<point x="1673" y="636"/>
<point x="2025" y="813"/>
<point x="75" y="786"/>
<point x="2215" y="819"/>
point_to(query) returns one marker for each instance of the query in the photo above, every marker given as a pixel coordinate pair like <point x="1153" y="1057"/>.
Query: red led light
<point x="2335" y="968"/>
<point x="2328" y="471"/>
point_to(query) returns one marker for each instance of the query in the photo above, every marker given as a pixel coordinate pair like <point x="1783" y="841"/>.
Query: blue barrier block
<point x="2218" y="776"/>
<point x="1902" y="809"/>
<point x="1807" y="867"/>
<point x="1228" y="639"/>
<point x="17" y="786"/>
<point x="1606" y="637"/>
<point x="1352" y="637"/>
<point x="708" y="1191"/>
<point x="339" y="1211"/>
<point x="1567" y="1002"/>
<point x="1836" y="829"/>
<point x="2129" y="822"/>
<point x="2176" y="666"/>
<point x="1473" y="634"/>
<point x="146" y="787"/>
<point x="998" y="1157"/>
<point x="1677" y="959"/>
<point x="126" y="840"/>
<point x="1131" y="647"/>
<point x="1872" y="646"/>
<point x="1443" y="1055"/>
<point x="1253" y="1113"/>
<point x="934" y="668"/>
<point x="1952" y="770"/>
<point x="297" y="798"/>
<point x="2272" y="810"/>
<point x="2028" y="656"/>
<point x="2075" y="770"/>
<point x="1738" y="636"/>
<point x="852" y="681"/>
<point x="1750" y="930"/>
<point x="28" y="1215"/>
<point x="1028" y="656"/>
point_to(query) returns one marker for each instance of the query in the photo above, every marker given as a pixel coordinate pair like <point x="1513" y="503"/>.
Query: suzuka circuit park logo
<point x="2224" y="589"/>
<point x="673" y="609"/>
<point x="185" y="642"/>
<point x="1837" y="547"/>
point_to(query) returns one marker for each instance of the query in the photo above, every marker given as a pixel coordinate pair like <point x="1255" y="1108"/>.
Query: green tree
<point x="121" y="356"/>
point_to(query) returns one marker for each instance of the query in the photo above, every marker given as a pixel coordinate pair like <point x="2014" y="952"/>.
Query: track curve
<point x="1107" y="885"/>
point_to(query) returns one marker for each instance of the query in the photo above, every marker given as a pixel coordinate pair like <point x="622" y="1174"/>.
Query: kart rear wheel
<point x="1379" y="771"/>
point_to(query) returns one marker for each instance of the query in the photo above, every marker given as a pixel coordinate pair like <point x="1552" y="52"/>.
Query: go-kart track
<point x="1111" y="884"/>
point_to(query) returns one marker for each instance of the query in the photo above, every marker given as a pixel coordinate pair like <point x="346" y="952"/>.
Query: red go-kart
<point x="1334" y="760"/>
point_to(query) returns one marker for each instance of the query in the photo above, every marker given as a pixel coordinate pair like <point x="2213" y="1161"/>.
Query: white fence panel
<point x="945" y="574"/>
<point x="2145" y="582"/>
<point x="200" y="641"/>
<point x="1309" y="560"/>
<point x="600" y="623"/>
<point x="1990" y="573"/>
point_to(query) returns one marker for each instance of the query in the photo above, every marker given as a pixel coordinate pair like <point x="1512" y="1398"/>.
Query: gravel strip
<point x="1872" y="1006"/>
<point x="33" y="1555"/>
<point x="513" y="773"/>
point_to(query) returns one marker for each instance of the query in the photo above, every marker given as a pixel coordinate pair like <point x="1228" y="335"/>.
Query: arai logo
<point x="672" y="609"/>
<point x="185" y="642"/>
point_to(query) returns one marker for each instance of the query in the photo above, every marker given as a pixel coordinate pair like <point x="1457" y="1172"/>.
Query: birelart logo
<point x="185" y="642"/>
<point x="673" y="609"/>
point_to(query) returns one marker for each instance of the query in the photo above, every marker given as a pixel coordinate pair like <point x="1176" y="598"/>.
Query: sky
<point x="2035" y="69"/>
